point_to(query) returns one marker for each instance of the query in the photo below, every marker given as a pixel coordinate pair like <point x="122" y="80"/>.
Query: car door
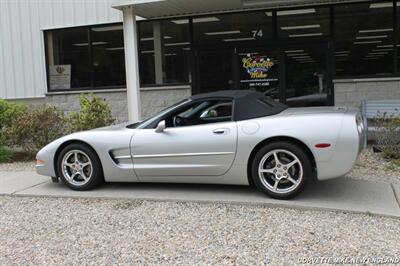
<point x="204" y="149"/>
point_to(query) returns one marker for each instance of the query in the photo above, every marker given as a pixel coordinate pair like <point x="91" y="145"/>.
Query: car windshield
<point x="149" y="120"/>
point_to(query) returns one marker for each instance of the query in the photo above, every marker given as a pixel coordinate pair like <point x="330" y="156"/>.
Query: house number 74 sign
<point x="257" y="33"/>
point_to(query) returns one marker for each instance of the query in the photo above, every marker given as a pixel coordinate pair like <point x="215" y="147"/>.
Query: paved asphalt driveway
<point x="340" y="194"/>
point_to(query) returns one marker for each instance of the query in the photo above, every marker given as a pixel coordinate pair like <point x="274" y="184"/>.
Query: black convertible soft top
<point x="247" y="104"/>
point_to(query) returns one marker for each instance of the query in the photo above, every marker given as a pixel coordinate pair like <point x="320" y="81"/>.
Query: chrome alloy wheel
<point x="280" y="171"/>
<point x="77" y="167"/>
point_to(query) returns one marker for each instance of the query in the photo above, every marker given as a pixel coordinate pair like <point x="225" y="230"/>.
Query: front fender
<point x="45" y="157"/>
<point x="104" y="142"/>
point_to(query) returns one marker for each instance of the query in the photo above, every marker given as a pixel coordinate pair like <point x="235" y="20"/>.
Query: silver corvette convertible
<point x="226" y="137"/>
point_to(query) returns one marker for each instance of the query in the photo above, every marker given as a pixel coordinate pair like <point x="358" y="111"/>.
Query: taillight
<point x="360" y="124"/>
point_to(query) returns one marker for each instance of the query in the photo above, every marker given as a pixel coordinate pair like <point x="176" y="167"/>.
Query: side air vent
<point x="121" y="157"/>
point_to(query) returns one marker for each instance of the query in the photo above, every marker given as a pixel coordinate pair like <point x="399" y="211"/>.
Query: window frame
<point x="191" y="55"/>
<point x="90" y="55"/>
<point x="396" y="28"/>
<point x="396" y="41"/>
<point x="277" y="40"/>
<point x="193" y="45"/>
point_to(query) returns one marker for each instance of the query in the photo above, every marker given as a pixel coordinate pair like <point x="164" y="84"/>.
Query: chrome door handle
<point x="220" y="131"/>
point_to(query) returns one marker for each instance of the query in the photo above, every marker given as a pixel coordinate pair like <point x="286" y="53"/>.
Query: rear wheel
<point x="79" y="167"/>
<point x="281" y="169"/>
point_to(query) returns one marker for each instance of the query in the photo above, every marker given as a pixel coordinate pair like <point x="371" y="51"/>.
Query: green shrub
<point x="94" y="113"/>
<point x="35" y="129"/>
<point x="5" y="154"/>
<point x="9" y="112"/>
<point x="388" y="135"/>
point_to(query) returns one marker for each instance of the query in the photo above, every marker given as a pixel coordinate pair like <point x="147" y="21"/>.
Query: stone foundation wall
<point x="69" y="102"/>
<point x="153" y="100"/>
<point x="351" y="92"/>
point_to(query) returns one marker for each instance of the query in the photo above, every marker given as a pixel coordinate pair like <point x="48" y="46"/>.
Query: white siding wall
<point x="22" y="59"/>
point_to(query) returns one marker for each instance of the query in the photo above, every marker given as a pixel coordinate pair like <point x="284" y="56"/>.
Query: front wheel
<point x="281" y="169"/>
<point x="79" y="167"/>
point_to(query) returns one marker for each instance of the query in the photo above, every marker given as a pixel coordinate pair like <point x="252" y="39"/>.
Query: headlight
<point x="39" y="162"/>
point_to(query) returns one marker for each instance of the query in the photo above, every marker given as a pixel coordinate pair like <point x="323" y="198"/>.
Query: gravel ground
<point x="373" y="167"/>
<point x="50" y="231"/>
<point x="19" y="166"/>
<point x="59" y="231"/>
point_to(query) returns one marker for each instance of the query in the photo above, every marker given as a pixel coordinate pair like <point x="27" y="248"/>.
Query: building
<point x="143" y="55"/>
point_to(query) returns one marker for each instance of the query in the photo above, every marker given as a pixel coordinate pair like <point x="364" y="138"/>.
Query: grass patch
<point x="393" y="165"/>
<point x="8" y="155"/>
<point x="5" y="154"/>
<point x="368" y="213"/>
<point x="396" y="163"/>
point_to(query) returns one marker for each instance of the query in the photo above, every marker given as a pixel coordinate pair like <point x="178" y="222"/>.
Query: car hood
<point x="88" y="134"/>
<point x="111" y="128"/>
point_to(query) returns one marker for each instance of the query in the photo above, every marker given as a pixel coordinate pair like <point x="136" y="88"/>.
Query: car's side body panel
<point x="201" y="150"/>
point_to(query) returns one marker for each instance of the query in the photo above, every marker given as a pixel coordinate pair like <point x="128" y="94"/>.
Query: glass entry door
<point x="308" y="79"/>
<point x="296" y="75"/>
<point x="259" y="70"/>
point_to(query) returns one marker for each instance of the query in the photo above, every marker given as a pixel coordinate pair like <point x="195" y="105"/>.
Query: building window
<point x="303" y="23"/>
<point x="215" y="70"/>
<point x="398" y="36"/>
<point x="164" y="52"/>
<point x="108" y="58"/>
<point x="233" y="28"/>
<point x="364" y="35"/>
<point x="85" y="58"/>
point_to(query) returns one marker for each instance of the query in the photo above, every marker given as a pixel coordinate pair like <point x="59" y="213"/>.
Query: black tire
<point x="292" y="149"/>
<point x="96" y="174"/>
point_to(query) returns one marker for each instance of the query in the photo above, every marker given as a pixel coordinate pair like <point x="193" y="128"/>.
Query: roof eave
<point x="156" y="9"/>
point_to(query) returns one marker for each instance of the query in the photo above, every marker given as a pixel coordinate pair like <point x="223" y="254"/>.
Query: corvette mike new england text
<point x="350" y="260"/>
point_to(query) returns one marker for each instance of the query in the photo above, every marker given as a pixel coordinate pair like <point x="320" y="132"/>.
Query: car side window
<point x="202" y="112"/>
<point x="218" y="110"/>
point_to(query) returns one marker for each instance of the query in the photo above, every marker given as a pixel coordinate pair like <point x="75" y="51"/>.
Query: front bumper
<point x="45" y="163"/>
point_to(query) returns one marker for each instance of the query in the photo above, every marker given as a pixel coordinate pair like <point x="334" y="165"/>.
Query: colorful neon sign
<point x="257" y="66"/>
